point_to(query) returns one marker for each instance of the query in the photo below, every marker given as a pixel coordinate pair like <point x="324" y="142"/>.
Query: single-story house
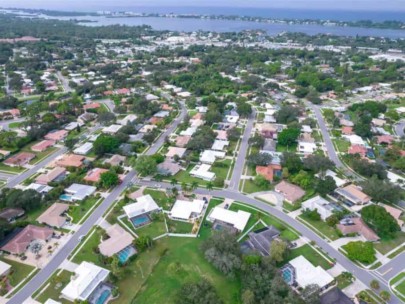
<point x="228" y="218"/>
<point x="306" y="129"/>
<point x="395" y="213"/>
<point x="221" y="134"/>
<point x="130" y="118"/>
<point x="112" y="129"/>
<point x="162" y="114"/>
<point x="306" y="147"/>
<point x="91" y="106"/>
<point x="84" y="149"/>
<point x="347" y="130"/>
<point x="43" y="189"/>
<point x="307" y="274"/>
<point x="70" y="160"/>
<point x="385" y="139"/>
<point x="219" y="145"/>
<point x="269" y="145"/>
<point x="4" y="269"/>
<point x="56" y="174"/>
<point x="118" y="240"/>
<point x="334" y="296"/>
<point x="357" y="225"/>
<point x="94" y="175"/>
<point x="260" y="240"/>
<point x="172" y="151"/>
<point x="269" y="171"/>
<point x="357" y="149"/>
<point x="324" y="208"/>
<point x="4" y="153"/>
<point x="182" y="141"/>
<point x="189" y="131"/>
<point x="339" y="182"/>
<point x="355" y="139"/>
<point x="144" y="205"/>
<point x="186" y="210"/>
<point x="209" y="156"/>
<point x="11" y="214"/>
<point x="19" y="243"/>
<point x="43" y="145"/>
<point x="53" y="215"/>
<point x="78" y="192"/>
<point x="86" y="279"/>
<point x="168" y="168"/>
<point x="353" y="194"/>
<point x="203" y="171"/>
<point x="58" y="135"/>
<point x="20" y="159"/>
<point x="73" y="125"/>
<point x="291" y="193"/>
<point x="116" y="160"/>
<point x="147" y="128"/>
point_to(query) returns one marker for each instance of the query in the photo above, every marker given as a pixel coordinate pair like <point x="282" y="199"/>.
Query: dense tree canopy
<point x="380" y="220"/>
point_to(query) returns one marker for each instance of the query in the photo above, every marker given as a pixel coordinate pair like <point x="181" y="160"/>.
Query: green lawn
<point x="400" y="289"/>
<point x="178" y="226"/>
<point x="221" y="172"/>
<point x="86" y="253"/>
<point x="251" y="187"/>
<point x="396" y="252"/>
<point x="183" y="262"/>
<point x="160" y="198"/>
<point x="57" y="283"/>
<point x="291" y="207"/>
<point x="184" y="177"/>
<point x="292" y="148"/>
<point x="311" y="255"/>
<point x="4" y="167"/>
<point x="34" y="214"/>
<point x="153" y="229"/>
<point x="385" y="246"/>
<point x="77" y="212"/>
<point x="19" y="271"/>
<point x="321" y="228"/>
<point x="397" y="278"/>
<point x="344" y="280"/>
<point x="342" y="145"/>
<point x="15" y="125"/>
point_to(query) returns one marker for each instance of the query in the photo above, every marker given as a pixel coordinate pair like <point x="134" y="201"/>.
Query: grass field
<point x="178" y="226"/>
<point x="184" y="177"/>
<point x="342" y="145"/>
<point x="251" y="187"/>
<point x="153" y="229"/>
<point x="222" y="172"/>
<point x="311" y="255"/>
<point x="86" y="253"/>
<point x="160" y="198"/>
<point x="183" y="262"/>
<point x="6" y="168"/>
<point x="19" y="271"/>
<point x="385" y="246"/>
<point x="322" y="227"/>
<point x="56" y="285"/>
<point x="77" y="212"/>
<point x="344" y="280"/>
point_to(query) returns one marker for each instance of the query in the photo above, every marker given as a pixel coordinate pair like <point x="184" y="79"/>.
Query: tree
<point x="233" y="134"/>
<point x="222" y="251"/>
<point x="261" y="182"/>
<point x="259" y="159"/>
<point x="278" y="250"/>
<point x="201" y="292"/>
<point x="287" y="114"/>
<point x="325" y="186"/>
<point x="303" y="179"/>
<point x="244" y="109"/>
<point x="106" y="118"/>
<point x="288" y="136"/>
<point x="292" y="162"/>
<point x="70" y="142"/>
<point x="210" y="186"/>
<point x="105" y="144"/>
<point x="317" y="163"/>
<point x="173" y="182"/>
<point x="374" y="284"/>
<point x="311" y="294"/>
<point x="256" y="141"/>
<point x="116" y="269"/>
<point x="194" y="185"/>
<point x="202" y="139"/>
<point x="363" y="252"/>
<point x="146" y="165"/>
<point x="384" y="224"/>
<point x="28" y="200"/>
<point x="385" y="295"/>
<point x="143" y="242"/>
<point x="109" y="179"/>
<point x="312" y="214"/>
<point x="381" y="191"/>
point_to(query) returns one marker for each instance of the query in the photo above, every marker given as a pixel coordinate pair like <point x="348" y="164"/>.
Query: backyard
<point x="19" y="271"/>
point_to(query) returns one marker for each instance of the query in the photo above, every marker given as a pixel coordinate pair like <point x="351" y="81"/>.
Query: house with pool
<point x="88" y="284"/>
<point x="77" y="192"/>
<point x="139" y="213"/>
<point x="120" y="243"/>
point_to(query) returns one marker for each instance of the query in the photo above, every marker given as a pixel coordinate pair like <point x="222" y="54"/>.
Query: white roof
<point x="307" y="274"/>
<point x="80" y="191"/>
<point x="219" y="144"/>
<point x="232" y="119"/>
<point x="202" y="109"/>
<point x="184" y="94"/>
<point x="112" y="129"/>
<point x="203" y="171"/>
<point x="129" y="118"/>
<point x="143" y="205"/>
<point x="306" y="147"/>
<point x="209" y="156"/>
<point x="83" y="149"/>
<point x="306" y="129"/>
<point x="355" y="139"/>
<point x="87" y="277"/>
<point x="151" y="97"/>
<point x="339" y="182"/>
<point x="4" y="267"/>
<point x="50" y="301"/>
<point x="184" y="209"/>
<point x="189" y="131"/>
<point x="237" y="219"/>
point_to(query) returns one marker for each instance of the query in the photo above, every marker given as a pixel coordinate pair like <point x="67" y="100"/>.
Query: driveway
<point x="272" y="197"/>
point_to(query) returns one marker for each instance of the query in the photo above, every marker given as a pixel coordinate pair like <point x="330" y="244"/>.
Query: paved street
<point x="393" y="267"/>
<point x="400" y="128"/>
<point x="108" y="103"/>
<point x="64" y="81"/>
<point x="4" y="124"/>
<point x="240" y="160"/>
<point x="45" y="273"/>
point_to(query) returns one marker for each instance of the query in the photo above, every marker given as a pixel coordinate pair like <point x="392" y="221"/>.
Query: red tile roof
<point x="268" y="171"/>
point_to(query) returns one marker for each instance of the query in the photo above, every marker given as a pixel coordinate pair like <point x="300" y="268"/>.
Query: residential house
<point x="11" y="214"/>
<point x="118" y="239"/>
<point x="219" y="145"/>
<point x="144" y="206"/>
<point x="395" y="213"/>
<point x="224" y="218"/>
<point x="334" y="296"/>
<point x="130" y="118"/>
<point x="209" y="156"/>
<point x="20" y="242"/>
<point x="56" y="174"/>
<point x="168" y="167"/>
<point x="353" y="194"/>
<point x="318" y="203"/>
<point x="347" y="130"/>
<point x="339" y="181"/>
<point x="70" y="160"/>
<point x="291" y="193"/>
<point x="189" y="131"/>
<point x="78" y="192"/>
<point x="355" y="139"/>
<point x="385" y="139"/>
<point x="112" y="129"/>
<point x="221" y="135"/>
<point x="19" y="160"/>
<point x="42" y="146"/>
<point x="187" y="210"/>
<point x="306" y="147"/>
<point x="269" y="171"/>
<point x="357" y="225"/>
<point x="358" y="149"/>
<point x="172" y="151"/>
<point x="88" y="277"/>
<point x="182" y="141"/>
<point x="53" y="216"/>
<point x="42" y="189"/>
<point x="4" y="269"/>
<point x="84" y="149"/>
<point x="260" y="240"/>
<point x="94" y="175"/>
<point x="203" y="171"/>
<point x="91" y="106"/>
<point x="115" y="160"/>
<point x="58" y="135"/>
<point x="269" y="145"/>
<point x="268" y="130"/>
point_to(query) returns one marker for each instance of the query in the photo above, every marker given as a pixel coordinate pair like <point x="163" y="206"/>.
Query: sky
<point x="92" y="5"/>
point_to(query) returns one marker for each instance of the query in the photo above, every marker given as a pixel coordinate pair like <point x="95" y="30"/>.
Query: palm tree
<point x="173" y="182"/>
<point x="175" y="191"/>
<point x="210" y="186"/>
<point x="184" y="187"/>
<point x="194" y="185"/>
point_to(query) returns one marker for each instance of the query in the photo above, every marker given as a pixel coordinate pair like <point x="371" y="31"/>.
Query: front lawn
<point x="311" y="255"/>
<point x="86" y="253"/>
<point x="221" y="171"/>
<point x="342" y="145"/>
<point x="56" y="285"/>
<point x="160" y="198"/>
<point x="19" y="271"/>
<point x="321" y="228"/>
<point x="183" y="262"/>
<point x="6" y="168"/>
<point x="251" y="187"/>
<point x="184" y="177"/>
<point x="385" y="246"/>
<point x="77" y="212"/>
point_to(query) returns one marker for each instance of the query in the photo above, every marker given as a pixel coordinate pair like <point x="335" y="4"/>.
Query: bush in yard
<point x="385" y="295"/>
<point x="380" y="220"/>
<point x="363" y="252"/>
<point x="312" y="214"/>
<point x="219" y="182"/>
<point x="374" y="284"/>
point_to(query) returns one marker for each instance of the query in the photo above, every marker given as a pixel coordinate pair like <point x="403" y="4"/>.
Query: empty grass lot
<point x="160" y="198"/>
<point x="251" y="187"/>
<point x="153" y="229"/>
<point x="342" y="145"/>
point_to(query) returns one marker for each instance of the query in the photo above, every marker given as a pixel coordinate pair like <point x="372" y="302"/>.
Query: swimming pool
<point x="288" y="274"/>
<point x="125" y="254"/>
<point x="140" y="220"/>
<point x="103" y="297"/>
<point x="65" y="197"/>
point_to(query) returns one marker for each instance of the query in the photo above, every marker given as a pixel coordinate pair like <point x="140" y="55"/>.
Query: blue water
<point x="125" y="254"/>
<point x="65" y="197"/>
<point x="140" y="220"/>
<point x="103" y="297"/>
<point x="287" y="275"/>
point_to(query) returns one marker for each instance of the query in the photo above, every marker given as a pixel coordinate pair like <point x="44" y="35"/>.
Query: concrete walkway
<point x="294" y="214"/>
<point x="354" y="288"/>
<point x="336" y="270"/>
<point x="272" y="197"/>
<point x="69" y="266"/>
<point x="343" y="241"/>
